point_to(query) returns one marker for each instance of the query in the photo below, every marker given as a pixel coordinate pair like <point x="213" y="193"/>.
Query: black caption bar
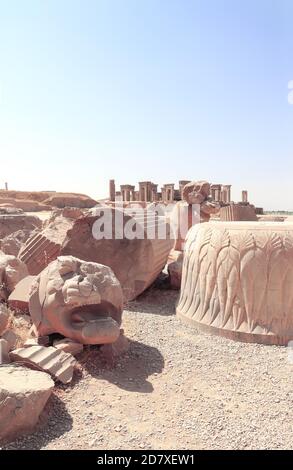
<point x="133" y="459"/>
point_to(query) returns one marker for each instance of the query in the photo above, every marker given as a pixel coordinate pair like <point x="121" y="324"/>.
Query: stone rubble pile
<point x="63" y="290"/>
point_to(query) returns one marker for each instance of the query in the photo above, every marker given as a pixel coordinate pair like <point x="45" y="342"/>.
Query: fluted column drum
<point x="237" y="280"/>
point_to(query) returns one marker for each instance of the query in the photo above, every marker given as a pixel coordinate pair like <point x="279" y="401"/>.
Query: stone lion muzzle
<point x="78" y="299"/>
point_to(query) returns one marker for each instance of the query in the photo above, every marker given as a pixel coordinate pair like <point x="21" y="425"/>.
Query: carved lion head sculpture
<point x="78" y="299"/>
<point x="196" y="192"/>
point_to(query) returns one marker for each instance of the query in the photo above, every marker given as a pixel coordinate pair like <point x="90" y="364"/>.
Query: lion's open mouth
<point x="95" y="323"/>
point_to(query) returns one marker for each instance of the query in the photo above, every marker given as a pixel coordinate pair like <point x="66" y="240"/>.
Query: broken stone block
<point x="79" y="238"/>
<point x="19" y="298"/>
<point x="11" y="339"/>
<point x="37" y="340"/>
<point x="227" y="266"/>
<point x="175" y="264"/>
<point x="80" y="300"/>
<point x="12" y="270"/>
<point x="68" y="346"/>
<point x="4" y="318"/>
<point x="4" y="354"/>
<point x="57" y="363"/>
<point x="23" y="395"/>
<point x="238" y="212"/>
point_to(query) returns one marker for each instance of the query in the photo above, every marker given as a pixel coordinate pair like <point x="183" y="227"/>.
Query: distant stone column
<point x="154" y="191"/>
<point x="223" y="195"/>
<point x="244" y="196"/>
<point x="169" y="192"/>
<point x="226" y="193"/>
<point x="112" y="190"/>
<point x="216" y="192"/>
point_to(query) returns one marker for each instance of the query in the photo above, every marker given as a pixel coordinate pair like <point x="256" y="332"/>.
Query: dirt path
<point x="174" y="389"/>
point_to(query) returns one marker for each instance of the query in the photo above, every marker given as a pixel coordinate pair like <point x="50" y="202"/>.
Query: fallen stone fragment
<point x="68" y="346"/>
<point x="12" y="270"/>
<point x="11" y="339"/>
<point x="23" y="395"/>
<point x="175" y="265"/>
<point x="80" y="238"/>
<point x="19" y="298"/>
<point x="57" y="363"/>
<point x="4" y="354"/>
<point x="4" y="317"/>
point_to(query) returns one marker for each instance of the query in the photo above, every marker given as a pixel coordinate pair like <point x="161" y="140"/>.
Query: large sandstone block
<point x="19" y="297"/>
<point x="238" y="281"/>
<point x="23" y="395"/>
<point x="238" y="212"/>
<point x="57" y="363"/>
<point x="136" y="262"/>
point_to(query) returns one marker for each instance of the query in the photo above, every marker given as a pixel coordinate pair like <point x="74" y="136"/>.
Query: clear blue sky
<point x="147" y="89"/>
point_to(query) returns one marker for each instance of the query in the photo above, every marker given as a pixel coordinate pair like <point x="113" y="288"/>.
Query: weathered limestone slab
<point x="57" y="363"/>
<point x="238" y="281"/>
<point x="23" y="395"/>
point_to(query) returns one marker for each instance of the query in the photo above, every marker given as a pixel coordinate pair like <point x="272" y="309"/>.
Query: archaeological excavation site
<point x="146" y="320"/>
<point x="146" y="233"/>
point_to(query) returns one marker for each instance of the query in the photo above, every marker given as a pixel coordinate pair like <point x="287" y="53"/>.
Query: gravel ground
<point x="176" y="388"/>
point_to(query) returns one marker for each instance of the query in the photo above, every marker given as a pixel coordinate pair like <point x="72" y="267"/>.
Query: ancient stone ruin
<point x="82" y="301"/>
<point x="68" y="236"/>
<point x="67" y="275"/>
<point x="196" y="207"/>
<point x="237" y="281"/>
